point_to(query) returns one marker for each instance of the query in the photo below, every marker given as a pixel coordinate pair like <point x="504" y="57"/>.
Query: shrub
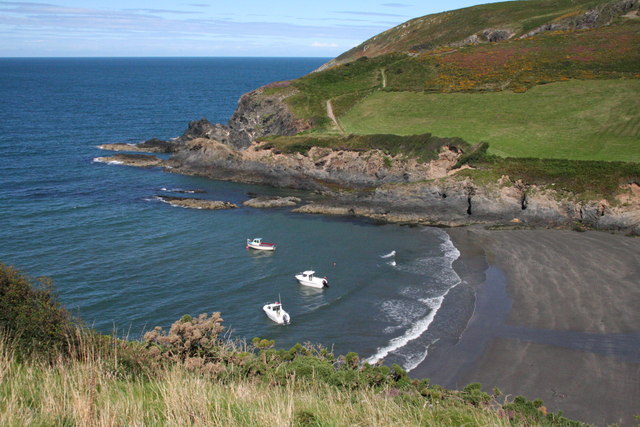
<point x="477" y="153"/>
<point x="31" y="315"/>
<point x="473" y="394"/>
<point x="189" y="338"/>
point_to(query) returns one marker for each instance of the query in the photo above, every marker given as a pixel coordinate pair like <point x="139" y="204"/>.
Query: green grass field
<point x="578" y="119"/>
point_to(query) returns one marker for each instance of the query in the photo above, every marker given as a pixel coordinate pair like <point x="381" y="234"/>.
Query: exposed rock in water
<point x="153" y="145"/>
<point x="183" y="191"/>
<point x="186" y="202"/>
<point x="272" y="202"/>
<point x="139" y="160"/>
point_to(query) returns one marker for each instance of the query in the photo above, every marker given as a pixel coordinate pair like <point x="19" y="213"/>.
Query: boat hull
<point x="262" y="247"/>
<point x="281" y="317"/>
<point x="316" y="283"/>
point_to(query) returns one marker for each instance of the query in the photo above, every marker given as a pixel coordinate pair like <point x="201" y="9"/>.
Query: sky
<point x="94" y="28"/>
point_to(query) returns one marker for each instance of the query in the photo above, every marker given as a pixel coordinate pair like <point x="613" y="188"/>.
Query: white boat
<point x="257" y="243"/>
<point x="307" y="278"/>
<point x="276" y="313"/>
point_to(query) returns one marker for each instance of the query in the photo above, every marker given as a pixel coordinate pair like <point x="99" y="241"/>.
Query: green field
<point x="578" y="119"/>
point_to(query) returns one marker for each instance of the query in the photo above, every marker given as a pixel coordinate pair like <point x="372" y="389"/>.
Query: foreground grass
<point x="87" y="392"/>
<point x="579" y="120"/>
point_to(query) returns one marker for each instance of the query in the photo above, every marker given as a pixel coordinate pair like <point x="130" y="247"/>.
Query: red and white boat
<point x="257" y="243"/>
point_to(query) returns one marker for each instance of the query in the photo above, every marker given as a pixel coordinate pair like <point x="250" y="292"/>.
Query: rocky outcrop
<point x="461" y="202"/>
<point x="390" y="188"/>
<point x="259" y="115"/>
<point x="272" y="202"/>
<point x="597" y="17"/>
<point x="139" y="160"/>
<point x="320" y="169"/>
<point x="186" y="202"/>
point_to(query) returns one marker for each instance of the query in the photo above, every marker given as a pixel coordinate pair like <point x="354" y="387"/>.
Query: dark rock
<point x="155" y="145"/>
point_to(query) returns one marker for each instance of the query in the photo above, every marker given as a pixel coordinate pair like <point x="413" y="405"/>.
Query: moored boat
<point x="307" y="278"/>
<point x="257" y="243"/>
<point x="275" y="312"/>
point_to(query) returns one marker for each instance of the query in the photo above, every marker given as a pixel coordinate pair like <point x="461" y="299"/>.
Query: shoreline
<point x="364" y="189"/>
<point x="539" y="326"/>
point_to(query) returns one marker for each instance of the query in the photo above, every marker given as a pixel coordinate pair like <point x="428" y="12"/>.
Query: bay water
<point x="123" y="261"/>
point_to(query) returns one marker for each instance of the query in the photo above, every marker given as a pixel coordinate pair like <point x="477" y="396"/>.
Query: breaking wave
<point x="389" y="255"/>
<point x="415" y="315"/>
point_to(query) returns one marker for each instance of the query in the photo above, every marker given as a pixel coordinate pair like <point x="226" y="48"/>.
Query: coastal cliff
<point x="373" y="184"/>
<point x="367" y="131"/>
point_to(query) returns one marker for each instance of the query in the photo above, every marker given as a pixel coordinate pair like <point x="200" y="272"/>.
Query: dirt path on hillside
<point x="333" y="117"/>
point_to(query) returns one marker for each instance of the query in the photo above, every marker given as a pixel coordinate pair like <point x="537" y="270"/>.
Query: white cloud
<point x="320" y="44"/>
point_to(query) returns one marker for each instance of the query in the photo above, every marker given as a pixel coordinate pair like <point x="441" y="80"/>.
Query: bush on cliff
<point x="31" y="314"/>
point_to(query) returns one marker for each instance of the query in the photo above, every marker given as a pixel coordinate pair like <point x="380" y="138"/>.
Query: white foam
<point x="109" y="162"/>
<point x="174" y="204"/>
<point x="402" y="312"/>
<point x="389" y="255"/>
<point x="412" y="333"/>
<point x="451" y="253"/>
<point x="177" y="190"/>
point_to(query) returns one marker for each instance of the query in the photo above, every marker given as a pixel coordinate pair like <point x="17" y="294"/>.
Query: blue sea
<point x="125" y="262"/>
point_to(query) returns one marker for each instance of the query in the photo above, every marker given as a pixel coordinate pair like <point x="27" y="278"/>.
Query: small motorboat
<point x="257" y="243"/>
<point x="276" y="313"/>
<point x="307" y="278"/>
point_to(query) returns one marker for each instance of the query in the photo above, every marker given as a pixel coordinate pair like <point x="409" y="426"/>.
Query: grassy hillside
<point x="498" y="93"/>
<point x="580" y="120"/>
<point x="516" y="18"/>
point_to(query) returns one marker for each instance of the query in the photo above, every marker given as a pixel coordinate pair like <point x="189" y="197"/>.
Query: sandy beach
<point x="556" y="317"/>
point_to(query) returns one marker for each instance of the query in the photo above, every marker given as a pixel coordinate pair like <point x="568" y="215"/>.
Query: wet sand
<point x="557" y="317"/>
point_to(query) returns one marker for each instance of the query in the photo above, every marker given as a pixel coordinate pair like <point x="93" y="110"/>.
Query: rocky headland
<point x="372" y="183"/>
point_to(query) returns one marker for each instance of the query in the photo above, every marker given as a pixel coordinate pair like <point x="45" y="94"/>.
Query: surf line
<point x="452" y="253"/>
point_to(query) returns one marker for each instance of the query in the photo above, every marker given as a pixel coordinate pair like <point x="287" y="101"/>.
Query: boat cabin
<point x="308" y="274"/>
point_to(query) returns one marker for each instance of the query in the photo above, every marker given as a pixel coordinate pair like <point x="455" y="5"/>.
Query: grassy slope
<point x="580" y="120"/>
<point x="592" y="112"/>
